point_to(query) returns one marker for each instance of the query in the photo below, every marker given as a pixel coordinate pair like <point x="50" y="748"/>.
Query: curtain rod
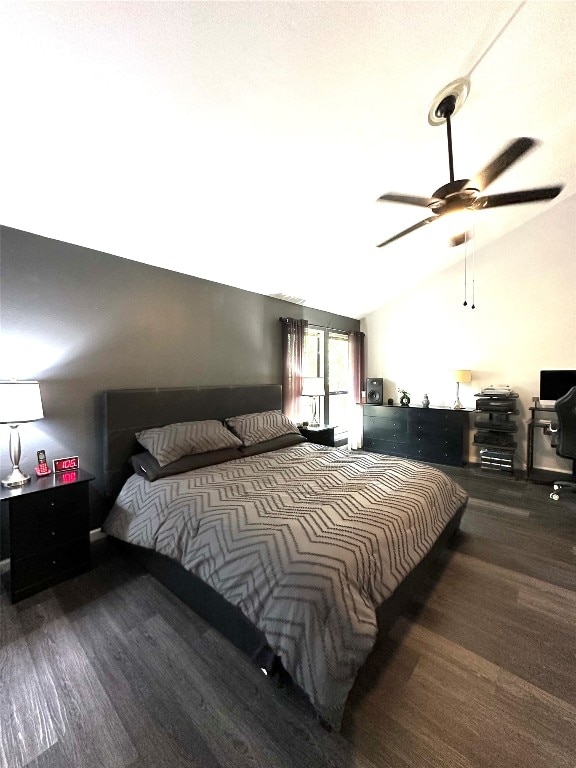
<point x="315" y="325"/>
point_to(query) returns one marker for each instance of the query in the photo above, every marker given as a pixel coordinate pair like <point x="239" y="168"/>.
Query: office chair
<point x="566" y="440"/>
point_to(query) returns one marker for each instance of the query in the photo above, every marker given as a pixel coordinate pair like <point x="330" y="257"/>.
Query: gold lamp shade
<point x="463" y="377"/>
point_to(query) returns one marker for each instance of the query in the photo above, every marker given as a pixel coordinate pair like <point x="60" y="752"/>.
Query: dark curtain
<point x="357" y="370"/>
<point x="292" y="345"/>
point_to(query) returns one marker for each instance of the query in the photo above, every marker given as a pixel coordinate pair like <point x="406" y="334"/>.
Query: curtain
<point x="357" y="384"/>
<point x="356" y="357"/>
<point x="293" y="332"/>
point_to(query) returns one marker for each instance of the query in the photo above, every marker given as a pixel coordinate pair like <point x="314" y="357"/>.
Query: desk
<point x="535" y="423"/>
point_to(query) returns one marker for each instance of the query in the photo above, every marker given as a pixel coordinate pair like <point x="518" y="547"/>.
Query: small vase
<point x="404" y="400"/>
<point x="425" y="401"/>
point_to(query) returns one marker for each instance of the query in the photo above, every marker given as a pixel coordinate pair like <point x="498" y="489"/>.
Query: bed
<point x="298" y="553"/>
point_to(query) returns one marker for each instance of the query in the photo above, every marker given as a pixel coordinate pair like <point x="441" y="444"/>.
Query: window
<point x="325" y="355"/>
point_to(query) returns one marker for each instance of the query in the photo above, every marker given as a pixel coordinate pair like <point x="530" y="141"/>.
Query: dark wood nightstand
<point x="46" y="526"/>
<point x="319" y="435"/>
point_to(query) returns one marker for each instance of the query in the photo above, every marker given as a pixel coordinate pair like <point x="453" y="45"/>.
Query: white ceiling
<point x="247" y="142"/>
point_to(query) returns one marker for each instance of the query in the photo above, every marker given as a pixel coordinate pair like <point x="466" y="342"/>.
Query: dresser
<point x="45" y="527"/>
<point x="436" y="435"/>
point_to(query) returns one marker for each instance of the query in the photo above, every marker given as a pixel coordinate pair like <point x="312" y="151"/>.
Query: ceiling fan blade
<point x="502" y="162"/>
<point x="512" y="198"/>
<point x="410" y="229"/>
<point x="394" y="197"/>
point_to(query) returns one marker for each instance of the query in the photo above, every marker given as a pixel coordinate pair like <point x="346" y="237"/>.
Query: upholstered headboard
<point x="127" y="411"/>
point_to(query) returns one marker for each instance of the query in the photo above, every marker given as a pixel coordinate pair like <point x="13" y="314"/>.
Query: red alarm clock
<point x="66" y="464"/>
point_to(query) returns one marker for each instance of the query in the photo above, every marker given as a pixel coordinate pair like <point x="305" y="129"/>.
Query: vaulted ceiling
<point x="247" y="142"/>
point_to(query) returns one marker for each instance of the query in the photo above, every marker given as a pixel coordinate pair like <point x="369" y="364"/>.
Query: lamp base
<point x="15" y="479"/>
<point x="314" y="422"/>
<point x="458" y="405"/>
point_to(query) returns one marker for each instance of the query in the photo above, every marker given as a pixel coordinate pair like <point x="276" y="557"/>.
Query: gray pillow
<point x="170" y="443"/>
<point x="284" y="441"/>
<point x="145" y="464"/>
<point x="254" y="428"/>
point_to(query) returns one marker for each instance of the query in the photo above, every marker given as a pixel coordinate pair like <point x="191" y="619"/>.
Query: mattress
<point x="306" y="541"/>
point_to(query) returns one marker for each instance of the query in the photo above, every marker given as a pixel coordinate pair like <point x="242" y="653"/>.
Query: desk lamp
<point x="462" y="377"/>
<point x="313" y="386"/>
<point x="20" y="401"/>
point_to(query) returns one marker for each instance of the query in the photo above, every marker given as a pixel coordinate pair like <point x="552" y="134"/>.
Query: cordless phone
<point x="42" y="468"/>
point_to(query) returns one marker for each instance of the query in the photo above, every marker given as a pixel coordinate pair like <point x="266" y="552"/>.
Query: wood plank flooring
<point x="109" y="670"/>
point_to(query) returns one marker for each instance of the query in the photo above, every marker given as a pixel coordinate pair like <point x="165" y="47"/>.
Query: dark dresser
<point x="45" y="530"/>
<point x="436" y="435"/>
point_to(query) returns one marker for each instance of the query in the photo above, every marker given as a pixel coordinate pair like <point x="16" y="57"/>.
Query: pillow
<point x="254" y="428"/>
<point x="169" y="443"/>
<point x="145" y="464"/>
<point x="284" y="441"/>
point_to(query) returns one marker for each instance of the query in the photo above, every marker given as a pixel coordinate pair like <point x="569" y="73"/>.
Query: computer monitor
<point x="555" y="384"/>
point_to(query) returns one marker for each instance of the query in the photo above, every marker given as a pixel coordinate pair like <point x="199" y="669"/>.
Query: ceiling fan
<point x="464" y="194"/>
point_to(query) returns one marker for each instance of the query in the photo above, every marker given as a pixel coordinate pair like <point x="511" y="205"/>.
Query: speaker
<point x="374" y="391"/>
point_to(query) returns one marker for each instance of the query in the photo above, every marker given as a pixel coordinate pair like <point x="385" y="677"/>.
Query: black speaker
<point x="374" y="391"/>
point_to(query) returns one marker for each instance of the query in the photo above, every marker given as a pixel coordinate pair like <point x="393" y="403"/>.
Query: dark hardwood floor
<point x="109" y="670"/>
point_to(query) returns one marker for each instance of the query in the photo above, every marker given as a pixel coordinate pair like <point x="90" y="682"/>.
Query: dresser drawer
<point x="61" y="517"/>
<point x="54" y="501"/>
<point x="47" y="530"/>
<point x="391" y="447"/>
<point x="51" y="565"/>
<point x="440" y="456"/>
<point x="391" y="428"/>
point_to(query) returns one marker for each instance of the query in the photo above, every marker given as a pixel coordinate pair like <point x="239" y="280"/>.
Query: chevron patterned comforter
<point x="307" y="541"/>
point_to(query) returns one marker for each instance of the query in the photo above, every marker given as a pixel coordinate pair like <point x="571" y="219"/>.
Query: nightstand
<point x="46" y="525"/>
<point x="319" y="435"/>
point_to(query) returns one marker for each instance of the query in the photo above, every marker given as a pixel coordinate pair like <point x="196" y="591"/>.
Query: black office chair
<point x="566" y="440"/>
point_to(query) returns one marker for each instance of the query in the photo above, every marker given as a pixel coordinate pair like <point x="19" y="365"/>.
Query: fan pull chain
<point x="465" y="269"/>
<point x="473" y="273"/>
<point x="473" y="264"/>
<point x="470" y="243"/>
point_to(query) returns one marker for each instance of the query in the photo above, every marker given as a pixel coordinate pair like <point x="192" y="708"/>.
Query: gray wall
<point x="81" y="321"/>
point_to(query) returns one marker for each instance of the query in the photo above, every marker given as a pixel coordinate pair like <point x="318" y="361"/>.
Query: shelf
<point x="497" y="446"/>
<point x="495" y="426"/>
<point x="494" y="430"/>
<point x="497" y="395"/>
<point x="545" y="408"/>
<point x="496" y="411"/>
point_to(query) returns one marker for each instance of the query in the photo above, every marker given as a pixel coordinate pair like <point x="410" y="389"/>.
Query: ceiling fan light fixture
<point x="460" y="195"/>
<point x="454" y="196"/>
<point x="456" y="226"/>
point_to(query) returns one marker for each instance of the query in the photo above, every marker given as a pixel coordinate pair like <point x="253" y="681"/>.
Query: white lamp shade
<point x="463" y="377"/>
<point x="312" y="386"/>
<point x="20" y="401"/>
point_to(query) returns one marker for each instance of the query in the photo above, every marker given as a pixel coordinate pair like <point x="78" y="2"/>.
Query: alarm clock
<point x="66" y="464"/>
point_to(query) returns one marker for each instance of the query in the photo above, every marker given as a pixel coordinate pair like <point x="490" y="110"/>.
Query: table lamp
<point x="313" y="386"/>
<point x="462" y="377"/>
<point x="20" y="401"/>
